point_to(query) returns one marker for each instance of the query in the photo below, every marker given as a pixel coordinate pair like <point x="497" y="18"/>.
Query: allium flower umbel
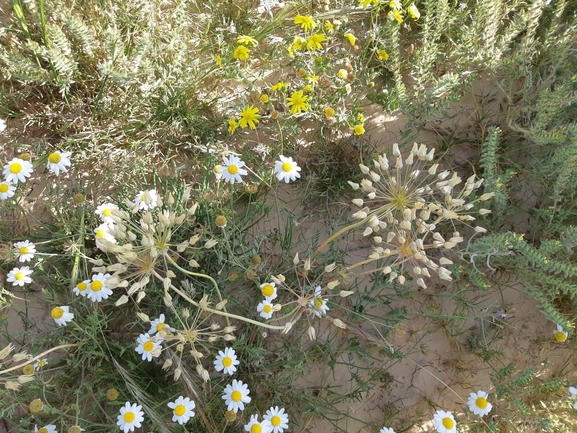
<point x="405" y="201"/>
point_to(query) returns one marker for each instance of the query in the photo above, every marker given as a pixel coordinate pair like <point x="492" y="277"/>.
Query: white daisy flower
<point x="38" y="365"/>
<point x="478" y="403"/>
<point x="105" y="212"/>
<point x="80" y="289"/>
<point x="148" y="347"/>
<point x="102" y="233"/>
<point x="278" y="419"/>
<point x="236" y="395"/>
<point x="2" y="125"/>
<point x="58" y="161"/>
<point x="232" y="169"/>
<point x="50" y="428"/>
<point x="146" y="199"/>
<point x="226" y="361"/>
<point x="7" y="190"/>
<point x="261" y="427"/>
<point x="386" y="430"/>
<point x="268" y="290"/>
<point x="573" y="396"/>
<point x="158" y="325"/>
<point x="131" y="417"/>
<point x="17" y="170"/>
<point x="444" y="422"/>
<point x="24" y="251"/>
<point x="560" y="334"/>
<point x="62" y="315"/>
<point x="98" y="288"/>
<point x="265" y="309"/>
<point x="20" y="276"/>
<point x="286" y="169"/>
<point x="182" y="409"/>
<point x="318" y="304"/>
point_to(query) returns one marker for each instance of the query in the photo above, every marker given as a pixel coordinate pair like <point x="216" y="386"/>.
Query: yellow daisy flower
<point x="314" y="41"/>
<point x="306" y="22"/>
<point x="298" y="102"/>
<point x="249" y="116"/>
<point x="241" y="53"/>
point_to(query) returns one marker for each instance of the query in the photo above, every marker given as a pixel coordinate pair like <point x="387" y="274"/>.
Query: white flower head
<point x="62" y="315"/>
<point x="478" y="403"/>
<point x="232" y="169"/>
<point x="50" y="428"/>
<point x="286" y="169"/>
<point x="255" y="426"/>
<point x="105" y="212"/>
<point x="236" y="395"/>
<point x="444" y="422"/>
<point x="268" y="290"/>
<point x="19" y="276"/>
<point x="148" y="346"/>
<point x="386" y="430"/>
<point x="17" y="170"/>
<point x="265" y="309"/>
<point x="7" y="190"/>
<point x="182" y="409"/>
<point x="38" y="365"/>
<point x="560" y="334"/>
<point x="226" y="361"/>
<point x="278" y="419"/>
<point x="319" y="305"/>
<point x="2" y="125"/>
<point x="80" y="288"/>
<point x="58" y="161"/>
<point x="102" y="233"/>
<point x="158" y="324"/>
<point x="146" y="199"/>
<point x="130" y="417"/>
<point x="573" y="396"/>
<point x="98" y="290"/>
<point x="24" y="251"/>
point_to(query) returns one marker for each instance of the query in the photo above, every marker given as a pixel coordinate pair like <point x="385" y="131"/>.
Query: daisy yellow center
<point x="23" y="250"/>
<point x="179" y="410"/>
<point x="160" y="326"/>
<point x="57" y="313"/>
<point x="143" y="197"/>
<point x="275" y="421"/>
<point x="41" y="363"/>
<point x="15" y="168"/>
<point x="256" y="428"/>
<point x="4" y="187"/>
<point x="267" y="290"/>
<point x="19" y="276"/>
<point x="54" y="158"/>
<point x="82" y="286"/>
<point x="43" y="430"/>
<point x="106" y="212"/>
<point x="227" y="361"/>
<point x="559" y="336"/>
<point x="148" y="346"/>
<point x="96" y="286"/>
<point x="232" y="169"/>
<point x="129" y="417"/>
<point x="267" y="309"/>
<point x="319" y="302"/>
<point x="236" y="396"/>
<point x="100" y="233"/>
<point x="448" y="423"/>
<point x="286" y="166"/>
<point x="481" y="402"/>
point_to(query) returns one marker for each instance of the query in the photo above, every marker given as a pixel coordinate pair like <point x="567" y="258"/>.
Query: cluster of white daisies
<point x="17" y="170"/>
<point x="266" y="307"/>
<point x="231" y="170"/>
<point x="444" y="422"/>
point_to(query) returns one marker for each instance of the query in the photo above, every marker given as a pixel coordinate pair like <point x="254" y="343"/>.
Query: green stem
<point x="340" y="232"/>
